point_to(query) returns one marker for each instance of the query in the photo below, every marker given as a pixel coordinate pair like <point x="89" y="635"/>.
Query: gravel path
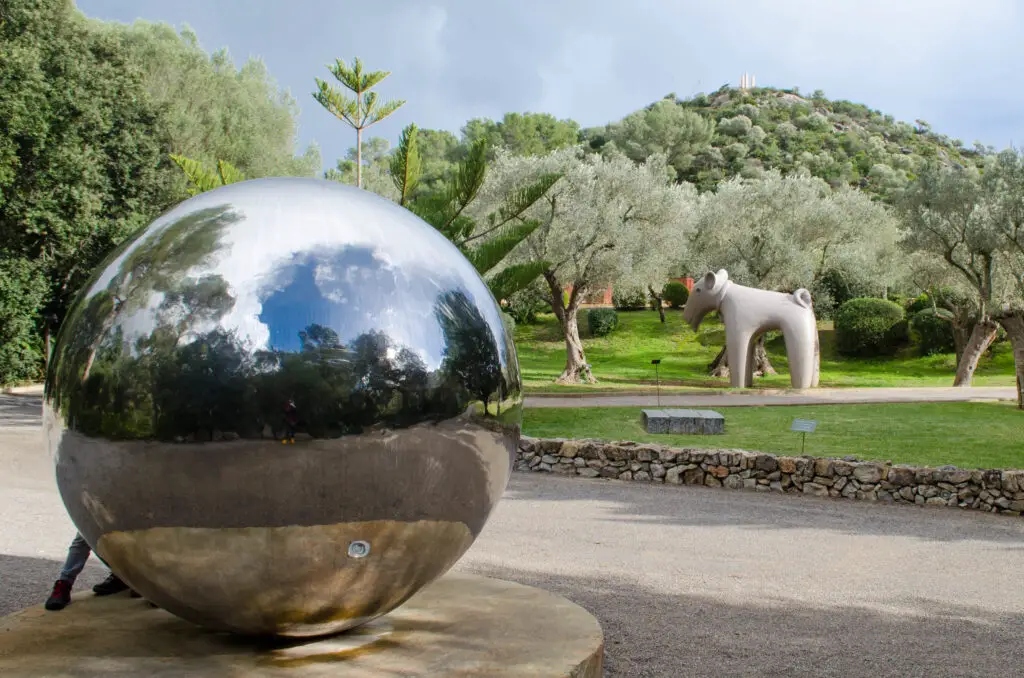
<point x="686" y="581"/>
<point x="818" y="396"/>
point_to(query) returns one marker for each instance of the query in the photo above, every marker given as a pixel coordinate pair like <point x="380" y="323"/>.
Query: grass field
<point x="622" y="360"/>
<point x="968" y="435"/>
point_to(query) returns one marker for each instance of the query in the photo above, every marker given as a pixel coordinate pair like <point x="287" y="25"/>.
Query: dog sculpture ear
<point x="715" y="280"/>
<point x="802" y="297"/>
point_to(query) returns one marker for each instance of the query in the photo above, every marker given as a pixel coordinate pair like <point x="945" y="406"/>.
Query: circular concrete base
<point x="461" y="625"/>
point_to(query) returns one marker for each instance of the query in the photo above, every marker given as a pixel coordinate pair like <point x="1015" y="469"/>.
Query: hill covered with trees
<point x="745" y="132"/>
<point x="710" y="138"/>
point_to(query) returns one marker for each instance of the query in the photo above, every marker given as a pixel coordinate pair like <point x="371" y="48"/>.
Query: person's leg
<point x="78" y="554"/>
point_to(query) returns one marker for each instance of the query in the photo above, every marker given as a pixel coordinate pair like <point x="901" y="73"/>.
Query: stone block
<point x="655" y="421"/>
<point x="733" y="482"/>
<point x="815" y="489"/>
<point x="869" y="473"/>
<point x="698" y="422"/>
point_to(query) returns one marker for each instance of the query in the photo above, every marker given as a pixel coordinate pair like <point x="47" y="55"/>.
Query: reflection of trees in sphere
<point x="283" y="408"/>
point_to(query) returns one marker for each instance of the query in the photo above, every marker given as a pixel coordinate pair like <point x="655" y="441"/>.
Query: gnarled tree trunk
<point x="659" y="301"/>
<point x="719" y="367"/>
<point x="982" y="336"/>
<point x="762" y="366"/>
<point x="1013" y="323"/>
<point x="576" y="370"/>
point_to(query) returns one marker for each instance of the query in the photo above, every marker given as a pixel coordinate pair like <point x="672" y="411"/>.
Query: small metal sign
<point x="804" y="425"/>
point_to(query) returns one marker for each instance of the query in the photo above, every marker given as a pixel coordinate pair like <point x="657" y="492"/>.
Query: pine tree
<point x="202" y="179"/>
<point x="360" y="112"/>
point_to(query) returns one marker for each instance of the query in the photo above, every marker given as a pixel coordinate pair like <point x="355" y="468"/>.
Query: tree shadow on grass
<point x="649" y="633"/>
<point x="688" y="505"/>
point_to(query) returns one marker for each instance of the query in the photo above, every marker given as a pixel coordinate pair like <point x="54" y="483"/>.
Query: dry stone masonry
<point x="985" y="490"/>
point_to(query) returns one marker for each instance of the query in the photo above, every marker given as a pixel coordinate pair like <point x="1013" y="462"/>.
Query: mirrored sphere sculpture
<point x="283" y="407"/>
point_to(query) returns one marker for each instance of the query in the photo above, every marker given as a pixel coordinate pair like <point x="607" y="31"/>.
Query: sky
<point x="953" y="63"/>
<point x="348" y="260"/>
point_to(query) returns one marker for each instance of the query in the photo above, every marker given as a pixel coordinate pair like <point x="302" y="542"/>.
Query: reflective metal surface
<point x="283" y="407"/>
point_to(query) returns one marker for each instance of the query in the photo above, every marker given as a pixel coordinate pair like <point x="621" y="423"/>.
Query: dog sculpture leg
<point x="739" y="350"/>
<point x="801" y="342"/>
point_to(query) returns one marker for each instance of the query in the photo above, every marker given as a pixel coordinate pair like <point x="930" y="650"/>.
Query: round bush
<point x="899" y="299"/>
<point x="930" y="333"/>
<point x="633" y="299"/>
<point x="525" y="304"/>
<point x="868" y="327"/>
<point x="918" y="303"/>
<point x="601" y="321"/>
<point x="675" y="293"/>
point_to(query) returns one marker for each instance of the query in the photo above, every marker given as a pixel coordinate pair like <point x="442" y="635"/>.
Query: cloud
<point x="952" y="62"/>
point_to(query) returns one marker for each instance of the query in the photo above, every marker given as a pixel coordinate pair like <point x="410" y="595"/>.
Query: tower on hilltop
<point x="747" y="81"/>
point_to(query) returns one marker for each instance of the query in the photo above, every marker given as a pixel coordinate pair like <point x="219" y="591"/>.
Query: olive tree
<point x="951" y="213"/>
<point x="608" y="220"/>
<point x="1003" y="184"/>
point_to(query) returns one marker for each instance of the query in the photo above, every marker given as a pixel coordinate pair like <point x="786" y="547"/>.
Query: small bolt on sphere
<point x="358" y="549"/>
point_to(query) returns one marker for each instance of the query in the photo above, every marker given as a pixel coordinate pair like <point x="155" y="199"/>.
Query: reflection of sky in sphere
<point x="352" y="292"/>
<point x="314" y="251"/>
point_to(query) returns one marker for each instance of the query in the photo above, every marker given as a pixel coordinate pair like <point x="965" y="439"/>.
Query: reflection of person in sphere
<point x="291" y="420"/>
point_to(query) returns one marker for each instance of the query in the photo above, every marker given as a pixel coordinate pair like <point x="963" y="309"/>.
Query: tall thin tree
<point x="361" y="111"/>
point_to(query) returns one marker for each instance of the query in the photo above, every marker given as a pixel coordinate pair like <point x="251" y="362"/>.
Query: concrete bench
<point x="704" y="422"/>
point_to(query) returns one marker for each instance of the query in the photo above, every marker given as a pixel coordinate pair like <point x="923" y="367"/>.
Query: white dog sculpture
<point x="747" y="313"/>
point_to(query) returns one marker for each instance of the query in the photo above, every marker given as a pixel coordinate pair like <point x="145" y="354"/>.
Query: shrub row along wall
<point x="992" y="490"/>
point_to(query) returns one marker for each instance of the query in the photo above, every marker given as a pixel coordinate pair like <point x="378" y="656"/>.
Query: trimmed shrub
<point x="869" y="327"/>
<point x="945" y="297"/>
<point x="632" y="299"/>
<point x="525" y="304"/>
<point x="930" y="333"/>
<point x="899" y="299"/>
<point x="601" y="321"/>
<point x="918" y="303"/>
<point x="675" y="294"/>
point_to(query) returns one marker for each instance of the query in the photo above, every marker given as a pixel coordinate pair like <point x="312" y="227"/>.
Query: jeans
<point x="78" y="553"/>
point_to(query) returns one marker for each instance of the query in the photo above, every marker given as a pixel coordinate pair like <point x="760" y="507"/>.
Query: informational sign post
<point x="803" y="427"/>
<point x="657" y="380"/>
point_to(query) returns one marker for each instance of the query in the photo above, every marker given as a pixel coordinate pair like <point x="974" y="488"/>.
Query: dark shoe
<point x="110" y="586"/>
<point x="60" y="597"/>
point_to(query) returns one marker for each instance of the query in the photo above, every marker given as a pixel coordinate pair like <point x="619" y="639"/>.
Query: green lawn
<point x="968" y="435"/>
<point x="622" y="360"/>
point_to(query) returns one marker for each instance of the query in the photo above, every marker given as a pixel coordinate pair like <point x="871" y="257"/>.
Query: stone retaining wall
<point x="985" y="490"/>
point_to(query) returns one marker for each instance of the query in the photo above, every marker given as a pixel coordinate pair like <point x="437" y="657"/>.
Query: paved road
<point x="819" y="396"/>
<point x="686" y="581"/>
